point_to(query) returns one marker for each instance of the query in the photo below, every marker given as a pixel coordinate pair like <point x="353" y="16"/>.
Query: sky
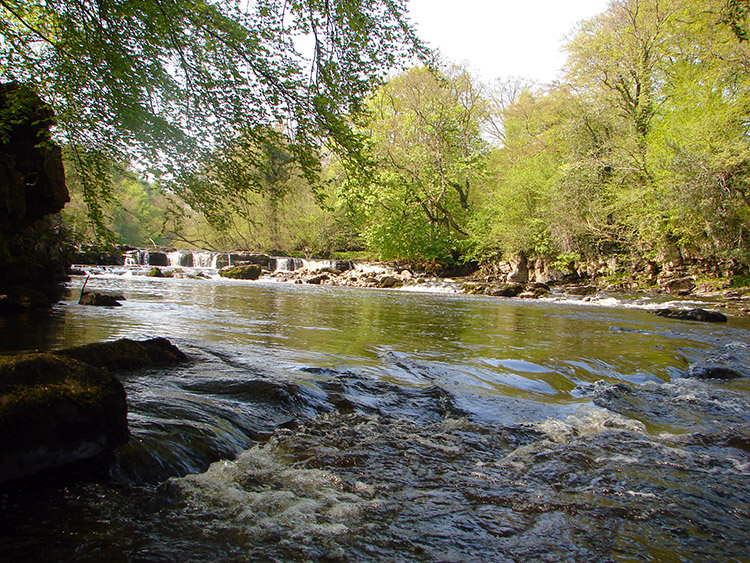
<point x="502" y="38"/>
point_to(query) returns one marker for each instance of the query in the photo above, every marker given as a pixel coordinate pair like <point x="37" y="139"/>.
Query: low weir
<point x="218" y="260"/>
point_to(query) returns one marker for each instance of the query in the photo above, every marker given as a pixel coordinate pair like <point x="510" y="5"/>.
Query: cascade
<point x="203" y="259"/>
<point x="180" y="258"/>
<point x="287" y="264"/>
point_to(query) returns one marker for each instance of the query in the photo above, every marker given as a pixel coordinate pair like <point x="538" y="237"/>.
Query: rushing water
<point x="335" y="424"/>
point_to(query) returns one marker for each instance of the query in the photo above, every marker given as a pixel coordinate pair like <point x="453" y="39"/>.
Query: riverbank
<point x="678" y="287"/>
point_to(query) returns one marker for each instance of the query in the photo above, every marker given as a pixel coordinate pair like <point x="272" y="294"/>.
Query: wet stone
<point x="700" y="315"/>
<point x="730" y="362"/>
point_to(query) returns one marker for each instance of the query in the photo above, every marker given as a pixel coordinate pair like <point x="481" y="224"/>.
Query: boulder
<point x="505" y="290"/>
<point x="692" y="315"/>
<point x="581" y="290"/>
<point x="99" y="299"/>
<point x="389" y="282"/>
<point x="127" y="354"/>
<point x="155" y="273"/>
<point x="317" y="280"/>
<point x="730" y="362"/>
<point x="61" y="407"/>
<point x="55" y="410"/>
<point x="241" y="272"/>
<point x="679" y="286"/>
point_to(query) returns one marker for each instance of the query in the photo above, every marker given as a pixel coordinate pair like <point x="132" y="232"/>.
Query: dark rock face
<point x="157" y="259"/>
<point x="32" y="187"/>
<point x="99" y="256"/>
<point x="243" y="272"/>
<point x="730" y="362"/>
<point x="32" y="178"/>
<point x="692" y="315"/>
<point x="55" y="410"/>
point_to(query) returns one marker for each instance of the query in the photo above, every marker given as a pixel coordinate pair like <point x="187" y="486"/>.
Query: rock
<point x="56" y="410"/>
<point x="155" y="273"/>
<point x="692" y="315"/>
<point x="32" y="178"/>
<point x="519" y="269"/>
<point x="678" y="286"/>
<point x="242" y="272"/>
<point x="127" y="354"/>
<point x="474" y="288"/>
<point x="32" y="186"/>
<point x="505" y="290"/>
<point x="540" y="286"/>
<point x="99" y="255"/>
<point x="581" y="290"/>
<point x="99" y="299"/>
<point x="730" y="362"/>
<point x="389" y="282"/>
<point x="317" y="280"/>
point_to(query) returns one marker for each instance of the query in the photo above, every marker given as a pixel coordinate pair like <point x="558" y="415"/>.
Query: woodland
<point x="309" y="127"/>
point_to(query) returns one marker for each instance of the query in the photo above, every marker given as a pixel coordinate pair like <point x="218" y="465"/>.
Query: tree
<point x="158" y="83"/>
<point x="429" y="158"/>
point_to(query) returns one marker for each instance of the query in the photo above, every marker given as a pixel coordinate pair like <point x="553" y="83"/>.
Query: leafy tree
<point x="138" y="213"/>
<point x="158" y="83"/>
<point x="425" y="131"/>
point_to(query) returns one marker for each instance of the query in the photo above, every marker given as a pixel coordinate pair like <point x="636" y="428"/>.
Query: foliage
<point x="159" y="83"/>
<point x="429" y="157"/>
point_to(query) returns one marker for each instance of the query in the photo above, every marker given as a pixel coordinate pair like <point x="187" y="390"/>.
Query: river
<point x="319" y="423"/>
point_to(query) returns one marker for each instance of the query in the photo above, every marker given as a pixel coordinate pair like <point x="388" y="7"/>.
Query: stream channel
<point x="319" y="423"/>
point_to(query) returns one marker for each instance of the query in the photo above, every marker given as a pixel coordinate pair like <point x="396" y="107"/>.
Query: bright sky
<point x="502" y="38"/>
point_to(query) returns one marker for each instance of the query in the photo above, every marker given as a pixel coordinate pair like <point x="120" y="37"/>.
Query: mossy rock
<point x="65" y="406"/>
<point x="506" y="290"/>
<point x="56" y="410"/>
<point x="242" y="272"/>
<point x="127" y="354"/>
<point x="155" y="273"/>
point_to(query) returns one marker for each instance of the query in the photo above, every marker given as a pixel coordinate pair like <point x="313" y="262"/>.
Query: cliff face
<point x="32" y="187"/>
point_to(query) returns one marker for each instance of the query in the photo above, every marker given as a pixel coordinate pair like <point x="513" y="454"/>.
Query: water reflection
<point x="521" y="348"/>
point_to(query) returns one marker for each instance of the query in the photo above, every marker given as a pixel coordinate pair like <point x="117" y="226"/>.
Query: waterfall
<point x="286" y="264"/>
<point x="203" y="259"/>
<point x="217" y="260"/>
<point x="180" y="258"/>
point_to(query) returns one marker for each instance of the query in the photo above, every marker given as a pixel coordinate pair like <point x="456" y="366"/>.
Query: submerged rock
<point x="56" y="410"/>
<point x="692" y="315"/>
<point x="730" y="362"/>
<point x="99" y="299"/>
